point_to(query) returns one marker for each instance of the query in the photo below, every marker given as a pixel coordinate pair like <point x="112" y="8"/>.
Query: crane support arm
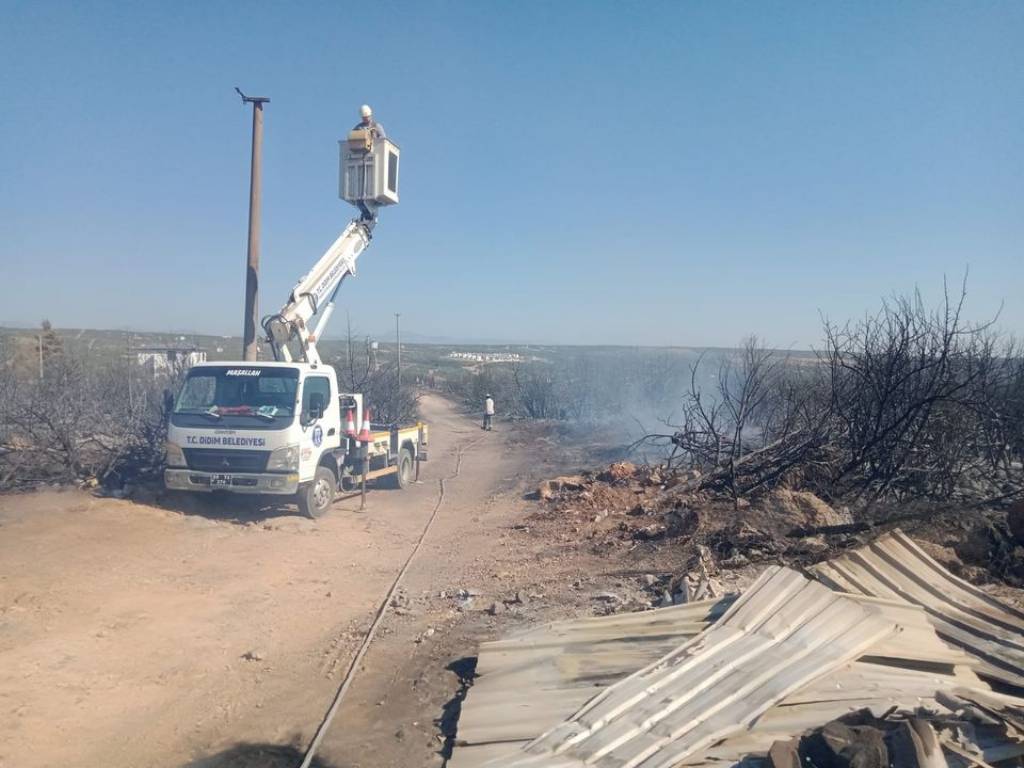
<point x="315" y="293"/>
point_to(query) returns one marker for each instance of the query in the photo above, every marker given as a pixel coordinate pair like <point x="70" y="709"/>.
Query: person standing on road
<point x="488" y="412"/>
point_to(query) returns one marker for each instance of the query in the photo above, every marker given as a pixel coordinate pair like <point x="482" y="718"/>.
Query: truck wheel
<point x="404" y="470"/>
<point x="316" y="497"/>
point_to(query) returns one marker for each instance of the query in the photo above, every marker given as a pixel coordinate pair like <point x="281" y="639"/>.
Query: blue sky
<point x="575" y="172"/>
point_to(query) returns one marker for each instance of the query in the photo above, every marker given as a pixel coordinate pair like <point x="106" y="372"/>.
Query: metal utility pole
<point x="398" y="343"/>
<point x="250" y="345"/>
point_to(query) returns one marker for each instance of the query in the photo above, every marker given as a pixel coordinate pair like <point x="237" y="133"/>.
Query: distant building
<point x="487" y="357"/>
<point x="161" y="360"/>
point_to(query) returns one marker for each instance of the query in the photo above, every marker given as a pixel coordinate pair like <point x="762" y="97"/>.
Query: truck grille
<point x="217" y="460"/>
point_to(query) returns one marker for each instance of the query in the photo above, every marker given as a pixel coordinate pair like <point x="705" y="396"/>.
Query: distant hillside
<point x="417" y="349"/>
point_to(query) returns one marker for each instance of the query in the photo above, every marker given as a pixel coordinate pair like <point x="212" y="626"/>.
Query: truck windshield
<point x="249" y="396"/>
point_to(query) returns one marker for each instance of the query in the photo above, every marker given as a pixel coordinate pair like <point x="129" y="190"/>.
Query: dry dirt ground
<point x="215" y="635"/>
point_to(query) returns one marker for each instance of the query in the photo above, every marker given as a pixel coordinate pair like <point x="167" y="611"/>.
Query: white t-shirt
<point x="489" y="407"/>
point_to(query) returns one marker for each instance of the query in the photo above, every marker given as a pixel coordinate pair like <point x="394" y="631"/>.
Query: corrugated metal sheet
<point x="783" y="633"/>
<point x="974" y="729"/>
<point x="896" y="568"/>
<point x="523" y="689"/>
<point x="784" y="658"/>
<point x="859" y="685"/>
<point x="528" y="682"/>
<point x="477" y="755"/>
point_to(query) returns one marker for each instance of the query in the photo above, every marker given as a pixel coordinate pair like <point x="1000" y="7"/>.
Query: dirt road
<point x="136" y="635"/>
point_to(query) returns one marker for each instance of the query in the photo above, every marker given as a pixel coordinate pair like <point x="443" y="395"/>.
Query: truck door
<point x="320" y="421"/>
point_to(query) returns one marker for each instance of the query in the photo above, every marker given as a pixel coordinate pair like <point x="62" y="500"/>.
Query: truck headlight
<point x="284" y="459"/>
<point x="175" y="456"/>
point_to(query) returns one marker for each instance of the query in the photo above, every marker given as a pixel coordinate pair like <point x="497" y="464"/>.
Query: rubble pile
<point x="631" y="505"/>
<point x="958" y="728"/>
<point x="628" y="504"/>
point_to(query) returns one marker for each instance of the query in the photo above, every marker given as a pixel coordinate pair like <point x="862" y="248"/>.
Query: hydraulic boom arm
<point x="308" y="296"/>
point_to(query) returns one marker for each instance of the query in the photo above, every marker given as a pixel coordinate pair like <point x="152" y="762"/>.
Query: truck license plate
<point x="219" y="481"/>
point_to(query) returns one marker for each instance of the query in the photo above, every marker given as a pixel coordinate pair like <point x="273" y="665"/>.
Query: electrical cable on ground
<point x="321" y="731"/>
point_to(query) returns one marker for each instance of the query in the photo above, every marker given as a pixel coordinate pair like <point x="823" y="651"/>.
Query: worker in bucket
<point x="367" y="123"/>
<point x="488" y="412"/>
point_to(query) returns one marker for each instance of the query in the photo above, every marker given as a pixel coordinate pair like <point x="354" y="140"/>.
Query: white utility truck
<point x="283" y="427"/>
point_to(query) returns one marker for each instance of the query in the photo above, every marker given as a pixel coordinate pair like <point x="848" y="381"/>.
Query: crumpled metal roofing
<point x="527" y="682"/>
<point x="896" y="568"/>
<point x="785" y="657"/>
<point x="781" y="634"/>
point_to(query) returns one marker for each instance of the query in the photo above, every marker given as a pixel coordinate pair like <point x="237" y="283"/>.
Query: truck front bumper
<point x="234" y="482"/>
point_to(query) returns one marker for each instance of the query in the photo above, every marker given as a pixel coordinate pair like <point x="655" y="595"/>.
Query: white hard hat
<point x="365" y="110"/>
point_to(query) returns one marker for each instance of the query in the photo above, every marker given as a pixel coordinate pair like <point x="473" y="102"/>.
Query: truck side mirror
<point x="316" y="406"/>
<point x="168" y="402"/>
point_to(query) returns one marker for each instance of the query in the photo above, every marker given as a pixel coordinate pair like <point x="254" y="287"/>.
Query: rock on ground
<point x="801" y="509"/>
<point x="549" y="489"/>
